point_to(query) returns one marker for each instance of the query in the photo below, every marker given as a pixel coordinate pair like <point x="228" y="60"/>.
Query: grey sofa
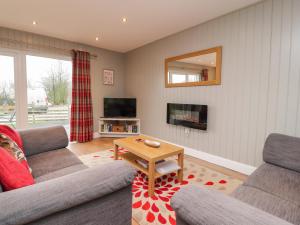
<point x="66" y="191"/>
<point x="271" y="195"/>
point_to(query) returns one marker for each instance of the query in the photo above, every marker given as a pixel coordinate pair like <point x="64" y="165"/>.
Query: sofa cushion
<point x="283" y="151"/>
<point x="13" y="134"/>
<point x="60" y="173"/>
<point x="28" y="205"/>
<point x="200" y="206"/>
<point x="278" y="181"/>
<point x="112" y="209"/>
<point x="38" y="140"/>
<point x="48" y="162"/>
<point x="13" y="174"/>
<point x="267" y="202"/>
<point x="8" y="144"/>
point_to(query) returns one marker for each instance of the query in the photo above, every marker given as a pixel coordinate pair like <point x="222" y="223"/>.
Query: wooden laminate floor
<point x="107" y="143"/>
<point x="95" y="145"/>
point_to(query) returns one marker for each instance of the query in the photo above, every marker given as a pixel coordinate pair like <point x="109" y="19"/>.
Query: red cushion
<point x="13" y="174"/>
<point x="13" y="134"/>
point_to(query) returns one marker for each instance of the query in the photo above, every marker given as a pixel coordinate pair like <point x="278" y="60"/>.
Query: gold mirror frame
<point x="217" y="81"/>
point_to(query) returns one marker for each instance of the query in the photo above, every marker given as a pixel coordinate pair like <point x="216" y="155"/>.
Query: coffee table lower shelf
<point x="138" y="150"/>
<point x="131" y="158"/>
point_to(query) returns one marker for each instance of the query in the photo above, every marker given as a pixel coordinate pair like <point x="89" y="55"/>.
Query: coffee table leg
<point x="151" y="179"/>
<point x="116" y="152"/>
<point x="180" y="163"/>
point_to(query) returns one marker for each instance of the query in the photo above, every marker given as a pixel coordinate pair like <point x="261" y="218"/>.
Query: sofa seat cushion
<point x="277" y="181"/>
<point x="48" y="162"/>
<point x="60" y="173"/>
<point x="267" y="202"/>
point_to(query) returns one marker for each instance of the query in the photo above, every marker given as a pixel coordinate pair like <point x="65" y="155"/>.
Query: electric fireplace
<point x="187" y="115"/>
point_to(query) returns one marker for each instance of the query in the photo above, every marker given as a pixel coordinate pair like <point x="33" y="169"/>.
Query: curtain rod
<point x="28" y="46"/>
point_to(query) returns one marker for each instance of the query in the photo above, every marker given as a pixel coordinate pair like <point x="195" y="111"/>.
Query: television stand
<point x="119" y="127"/>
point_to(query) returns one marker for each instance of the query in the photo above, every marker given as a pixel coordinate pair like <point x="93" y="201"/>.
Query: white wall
<point x="28" y="43"/>
<point x="260" y="81"/>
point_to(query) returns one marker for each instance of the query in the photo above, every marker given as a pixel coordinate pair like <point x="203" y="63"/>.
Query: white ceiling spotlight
<point x="97" y="38"/>
<point x="139" y="28"/>
<point x="34" y="23"/>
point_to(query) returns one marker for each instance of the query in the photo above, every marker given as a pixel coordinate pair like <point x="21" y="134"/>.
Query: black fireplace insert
<point x="187" y="115"/>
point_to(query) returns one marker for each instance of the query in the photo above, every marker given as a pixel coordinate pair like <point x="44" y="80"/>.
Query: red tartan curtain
<point x="81" y="107"/>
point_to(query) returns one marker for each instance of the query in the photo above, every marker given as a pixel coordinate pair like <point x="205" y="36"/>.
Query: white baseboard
<point x="220" y="161"/>
<point x="96" y="135"/>
<point x="227" y="163"/>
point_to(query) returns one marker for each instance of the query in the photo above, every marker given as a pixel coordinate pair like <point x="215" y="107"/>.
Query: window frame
<point x="20" y="79"/>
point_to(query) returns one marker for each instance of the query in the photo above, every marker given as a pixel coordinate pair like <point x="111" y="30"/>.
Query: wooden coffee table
<point x="137" y="149"/>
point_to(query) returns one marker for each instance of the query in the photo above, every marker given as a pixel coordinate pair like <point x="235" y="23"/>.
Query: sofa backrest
<point x="283" y="151"/>
<point x="38" y="140"/>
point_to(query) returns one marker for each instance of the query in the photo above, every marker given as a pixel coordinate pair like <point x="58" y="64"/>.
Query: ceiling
<point x="83" y="20"/>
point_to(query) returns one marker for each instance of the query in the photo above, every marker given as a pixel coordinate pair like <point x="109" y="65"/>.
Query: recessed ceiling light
<point x="34" y="22"/>
<point x="124" y="19"/>
<point x="97" y="38"/>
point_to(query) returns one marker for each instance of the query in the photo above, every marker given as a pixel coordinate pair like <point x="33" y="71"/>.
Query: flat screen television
<point x="187" y="115"/>
<point x="119" y="107"/>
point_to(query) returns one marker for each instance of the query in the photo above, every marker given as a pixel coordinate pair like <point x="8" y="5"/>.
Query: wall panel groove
<point x="260" y="86"/>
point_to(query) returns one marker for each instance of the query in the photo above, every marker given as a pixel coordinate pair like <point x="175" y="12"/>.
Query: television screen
<point x="187" y="115"/>
<point x="119" y="107"/>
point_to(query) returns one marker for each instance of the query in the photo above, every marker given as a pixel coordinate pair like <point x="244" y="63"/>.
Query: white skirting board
<point x="220" y="161"/>
<point x="96" y="135"/>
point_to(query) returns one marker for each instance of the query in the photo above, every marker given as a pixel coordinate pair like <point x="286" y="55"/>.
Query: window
<point x="193" y="77"/>
<point x="7" y="91"/>
<point x="178" y="78"/>
<point x="48" y="91"/>
<point x="35" y="91"/>
<point x="183" y="78"/>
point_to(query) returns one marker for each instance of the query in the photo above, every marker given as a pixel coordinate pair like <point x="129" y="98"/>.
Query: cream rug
<point x="157" y="210"/>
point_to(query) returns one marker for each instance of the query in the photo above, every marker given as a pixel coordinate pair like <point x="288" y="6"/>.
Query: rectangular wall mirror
<point x="194" y="69"/>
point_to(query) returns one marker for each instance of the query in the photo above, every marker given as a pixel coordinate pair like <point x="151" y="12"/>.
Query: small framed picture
<point x="108" y="77"/>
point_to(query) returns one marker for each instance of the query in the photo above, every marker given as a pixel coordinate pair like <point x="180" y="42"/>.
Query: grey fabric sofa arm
<point x="195" y="205"/>
<point x="38" y="140"/>
<point x="282" y="150"/>
<point x="34" y="202"/>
